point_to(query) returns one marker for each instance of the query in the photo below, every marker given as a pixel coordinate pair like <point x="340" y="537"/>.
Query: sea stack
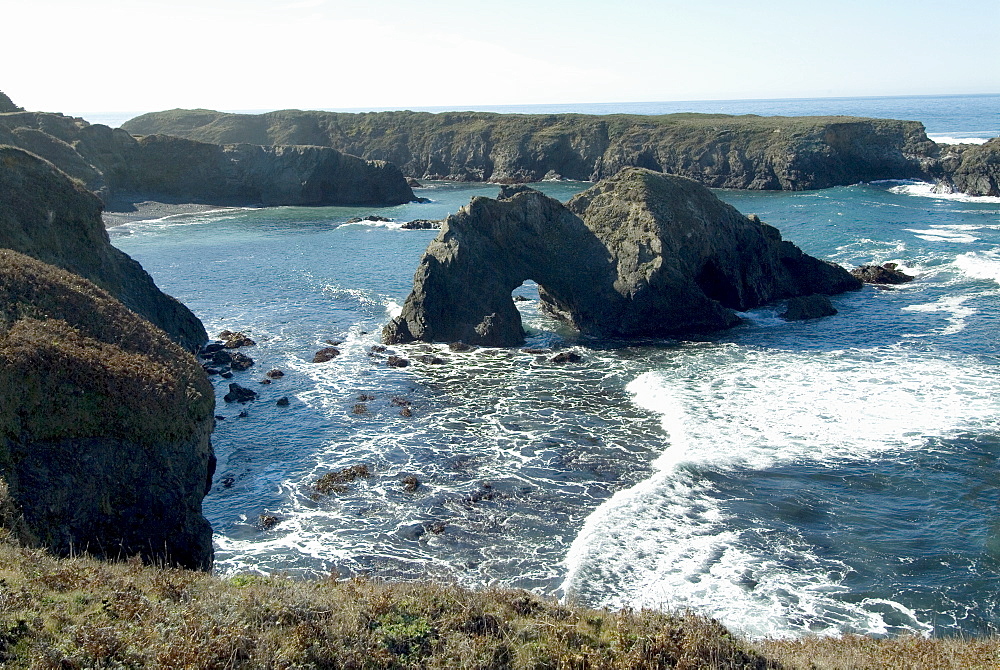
<point x="641" y="254"/>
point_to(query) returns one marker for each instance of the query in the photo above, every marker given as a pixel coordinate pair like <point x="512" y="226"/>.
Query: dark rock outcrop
<point x="422" y="224"/>
<point x="880" y="274"/>
<point x="640" y="254"/>
<point x="240" y="394"/>
<point x="326" y="354"/>
<point x="49" y="217"/>
<point x="804" y="307"/>
<point x="977" y="170"/>
<point x="747" y="152"/>
<point x="104" y="423"/>
<point x="122" y="169"/>
<point x="7" y="105"/>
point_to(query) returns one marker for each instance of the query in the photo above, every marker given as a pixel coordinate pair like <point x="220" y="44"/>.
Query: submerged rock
<point x="641" y="254"/>
<point x="804" y="307"/>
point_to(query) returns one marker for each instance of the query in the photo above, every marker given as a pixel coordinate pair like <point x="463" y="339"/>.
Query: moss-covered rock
<point x="53" y="218"/>
<point x="104" y="422"/>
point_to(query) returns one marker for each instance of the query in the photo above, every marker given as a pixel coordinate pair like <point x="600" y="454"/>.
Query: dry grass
<point x="855" y="652"/>
<point x="82" y="613"/>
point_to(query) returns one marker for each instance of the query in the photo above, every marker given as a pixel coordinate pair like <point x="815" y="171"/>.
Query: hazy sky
<point x="108" y="55"/>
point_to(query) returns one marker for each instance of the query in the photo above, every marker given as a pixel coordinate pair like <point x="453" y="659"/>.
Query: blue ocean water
<point x="828" y="476"/>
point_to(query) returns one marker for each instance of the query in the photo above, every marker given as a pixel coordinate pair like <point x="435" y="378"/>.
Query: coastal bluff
<point x="48" y="216"/>
<point x="717" y="150"/>
<point x="105" y="418"/>
<point x="641" y="254"/>
<point x="105" y="424"/>
<point x="122" y="169"/>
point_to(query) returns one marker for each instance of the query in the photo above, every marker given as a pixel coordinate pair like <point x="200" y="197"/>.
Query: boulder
<point x="804" y="307"/>
<point x="880" y="274"/>
<point x="240" y="362"/>
<point x="105" y="423"/>
<point x="326" y="354"/>
<point x="47" y="216"/>
<point x="235" y="340"/>
<point x="642" y="254"/>
<point x="240" y="394"/>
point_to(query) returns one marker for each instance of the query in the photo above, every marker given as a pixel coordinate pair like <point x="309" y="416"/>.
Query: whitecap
<point x="953" y="306"/>
<point x="928" y="190"/>
<point x="666" y="542"/>
<point x="980" y="265"/>
<point x="941" y="235"/>
<point x="973" y="138"/>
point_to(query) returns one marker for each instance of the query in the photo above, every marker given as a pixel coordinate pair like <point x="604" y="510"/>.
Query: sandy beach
<point x="150" y="209"/>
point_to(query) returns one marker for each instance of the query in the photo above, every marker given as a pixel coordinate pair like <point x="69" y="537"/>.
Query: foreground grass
<point x="84" y="613"/>
<point x="856" y="652"/>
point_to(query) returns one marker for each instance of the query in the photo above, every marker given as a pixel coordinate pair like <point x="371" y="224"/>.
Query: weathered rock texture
<point x="121" y="168"/>
<point x="104" y="423"/>
<point x="48" y="216"/>
<point x="976" y="170"/>
<point x="639" y="254"/>
<point x="7" y="105"/>
<point x="748" y="152"/>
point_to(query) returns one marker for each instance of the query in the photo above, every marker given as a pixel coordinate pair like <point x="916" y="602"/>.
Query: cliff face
<point x="119" y="167"/>
<point x="104" y="423"/>
<point x="977" y="169"/>
<point x="747" y="152"/>
<point x="170" y="167"/>
<point x="641" y="254"/>
<point x="47" y="216"/>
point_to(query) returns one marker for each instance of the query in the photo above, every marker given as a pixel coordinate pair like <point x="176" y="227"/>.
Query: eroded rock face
<point x="104" y="423"/>
<point x="49" y="217"/>
<point x="640" y="254"/>
<point x="978" y="172"/>
<point x="122" y="169"/>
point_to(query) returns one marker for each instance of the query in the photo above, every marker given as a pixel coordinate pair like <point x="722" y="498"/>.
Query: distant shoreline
<point x="151" y="209"/>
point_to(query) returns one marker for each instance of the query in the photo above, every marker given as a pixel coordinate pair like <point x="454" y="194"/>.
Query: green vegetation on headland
<point x="721" y="151"/>
<point x="82" y="613"/>
<point x="748" y="152"/>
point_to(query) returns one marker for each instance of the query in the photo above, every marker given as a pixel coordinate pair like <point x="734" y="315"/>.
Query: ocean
<point x="830" y="476"/>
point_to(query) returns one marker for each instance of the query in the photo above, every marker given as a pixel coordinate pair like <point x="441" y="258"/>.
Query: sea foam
<point x="671" y="541"/>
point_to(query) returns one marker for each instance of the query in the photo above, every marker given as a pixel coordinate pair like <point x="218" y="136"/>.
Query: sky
<point x="147" y="55"/>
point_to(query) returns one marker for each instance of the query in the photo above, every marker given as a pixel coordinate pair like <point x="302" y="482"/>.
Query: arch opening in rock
<point x="641" y="254"/>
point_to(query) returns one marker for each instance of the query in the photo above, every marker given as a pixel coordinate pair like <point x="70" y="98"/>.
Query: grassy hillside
<point x="82" y="613"/>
